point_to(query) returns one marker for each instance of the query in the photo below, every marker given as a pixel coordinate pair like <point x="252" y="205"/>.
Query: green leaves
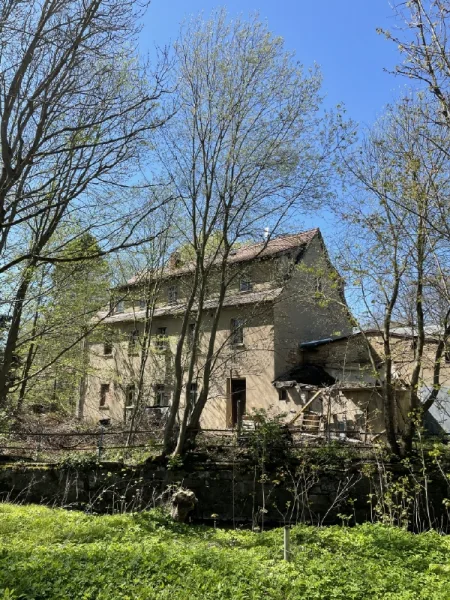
<point x="55" y="554"/>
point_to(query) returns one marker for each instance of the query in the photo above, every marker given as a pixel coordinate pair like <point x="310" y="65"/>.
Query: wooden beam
<point x="303" y="408"/>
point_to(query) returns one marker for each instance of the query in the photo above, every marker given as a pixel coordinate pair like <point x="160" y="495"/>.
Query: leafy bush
<point x="52" y="554"/>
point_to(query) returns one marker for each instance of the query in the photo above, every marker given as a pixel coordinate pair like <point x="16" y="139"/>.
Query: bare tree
<point x="246" y="150"/>
<point x="424" y="45"/>
<point x="76" y="108"/>
<point x="396" y="259"/>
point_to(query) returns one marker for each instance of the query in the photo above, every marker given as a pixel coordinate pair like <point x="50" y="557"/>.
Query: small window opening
<point x="104" y="394"/>
<point x="120" y="306"/>
<point x="107" y="348"/>
<point x="161" y="338"/>
<point x="172" y="294"/>
<point x="282" y="394"/>
<point x="142" y="304"/>
<point x="245" y="285"/>
<point x="132" y="342"/>
<point x="130" y="395"/>
<point x="237" y="332"/>
<point x="161" y="395"/>
<point x="193" y="393"/>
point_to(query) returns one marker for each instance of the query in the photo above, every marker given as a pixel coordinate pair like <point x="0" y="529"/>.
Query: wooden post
<point x="287" y="545"/>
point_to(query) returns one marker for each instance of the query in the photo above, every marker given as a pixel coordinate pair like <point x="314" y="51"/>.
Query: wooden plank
<point x="310" y="401"/>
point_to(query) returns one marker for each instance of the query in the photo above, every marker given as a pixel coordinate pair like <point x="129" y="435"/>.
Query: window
<point x="172" y="294"/>
<point x="161" y="395"/>
<point x="245" y="285"/>
<point x="107" y="348"/>
<point x="104" y="395"/>
<point x="120" y="306"/>
<point x="142" y="304"/>
<point x="161" y="338"/>
<point x="129" y="395"/>
<point x="132" y="342"/>
<point x="237" y="332"/>
<point x="282" y="394"/>
<point x="193" y="390"/>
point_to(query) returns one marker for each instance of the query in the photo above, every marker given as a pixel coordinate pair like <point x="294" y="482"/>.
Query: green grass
<point x="52" y="554"/>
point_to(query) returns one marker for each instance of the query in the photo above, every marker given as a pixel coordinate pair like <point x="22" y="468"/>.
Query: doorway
<point x="238" y="400"/>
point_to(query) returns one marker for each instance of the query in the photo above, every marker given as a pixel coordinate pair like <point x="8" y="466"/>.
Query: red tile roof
<point x="266" y="249"/>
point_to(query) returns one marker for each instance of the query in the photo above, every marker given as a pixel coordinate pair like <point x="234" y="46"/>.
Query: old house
<point x="275" y="302"/>
<point x="352" y="400"/>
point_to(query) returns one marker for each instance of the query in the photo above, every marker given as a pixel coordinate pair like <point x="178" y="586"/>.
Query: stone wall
<point x="230" y="493"/>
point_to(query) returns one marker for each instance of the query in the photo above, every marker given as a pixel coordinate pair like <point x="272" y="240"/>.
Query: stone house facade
<point x="275" y="302"/>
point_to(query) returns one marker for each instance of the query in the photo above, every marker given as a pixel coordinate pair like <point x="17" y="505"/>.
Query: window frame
<point x="130" y="389"/>
<point x="193" y="392"/>
<point x="119" y="307"/>
<point x="133" y="339"/>
<point x="237" y="331"/>
<point x="161" y="341"/>
<point x="172" y="294"/>
<point x="161" y="395"/>
<point x="245" y="285"/>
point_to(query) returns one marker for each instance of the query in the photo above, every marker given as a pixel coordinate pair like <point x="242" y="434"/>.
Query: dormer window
<point x="172" y="294"/>
<point x="245" y="285"/>
<point x="120" y="306"/>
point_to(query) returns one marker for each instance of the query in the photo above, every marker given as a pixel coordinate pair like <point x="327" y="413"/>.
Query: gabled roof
<point x="277" y="246"/>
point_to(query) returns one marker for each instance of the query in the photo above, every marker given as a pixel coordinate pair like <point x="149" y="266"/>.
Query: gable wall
<point x="300" y="316"/>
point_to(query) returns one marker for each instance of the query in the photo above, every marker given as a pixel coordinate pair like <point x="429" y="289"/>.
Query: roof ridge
<point x="262" y="249"/>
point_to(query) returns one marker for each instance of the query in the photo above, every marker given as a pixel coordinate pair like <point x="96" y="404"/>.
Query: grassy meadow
<point x="54" y="554"/>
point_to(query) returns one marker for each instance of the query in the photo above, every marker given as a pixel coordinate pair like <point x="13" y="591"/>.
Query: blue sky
<point x="340" y="35"/>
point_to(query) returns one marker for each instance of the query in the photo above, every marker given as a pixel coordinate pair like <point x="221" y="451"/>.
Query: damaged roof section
<point x="304" y="375"/>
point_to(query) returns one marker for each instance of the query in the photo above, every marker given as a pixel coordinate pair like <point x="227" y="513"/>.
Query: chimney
<point x="266" y="233"/>
<point x="174" y="261"/>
